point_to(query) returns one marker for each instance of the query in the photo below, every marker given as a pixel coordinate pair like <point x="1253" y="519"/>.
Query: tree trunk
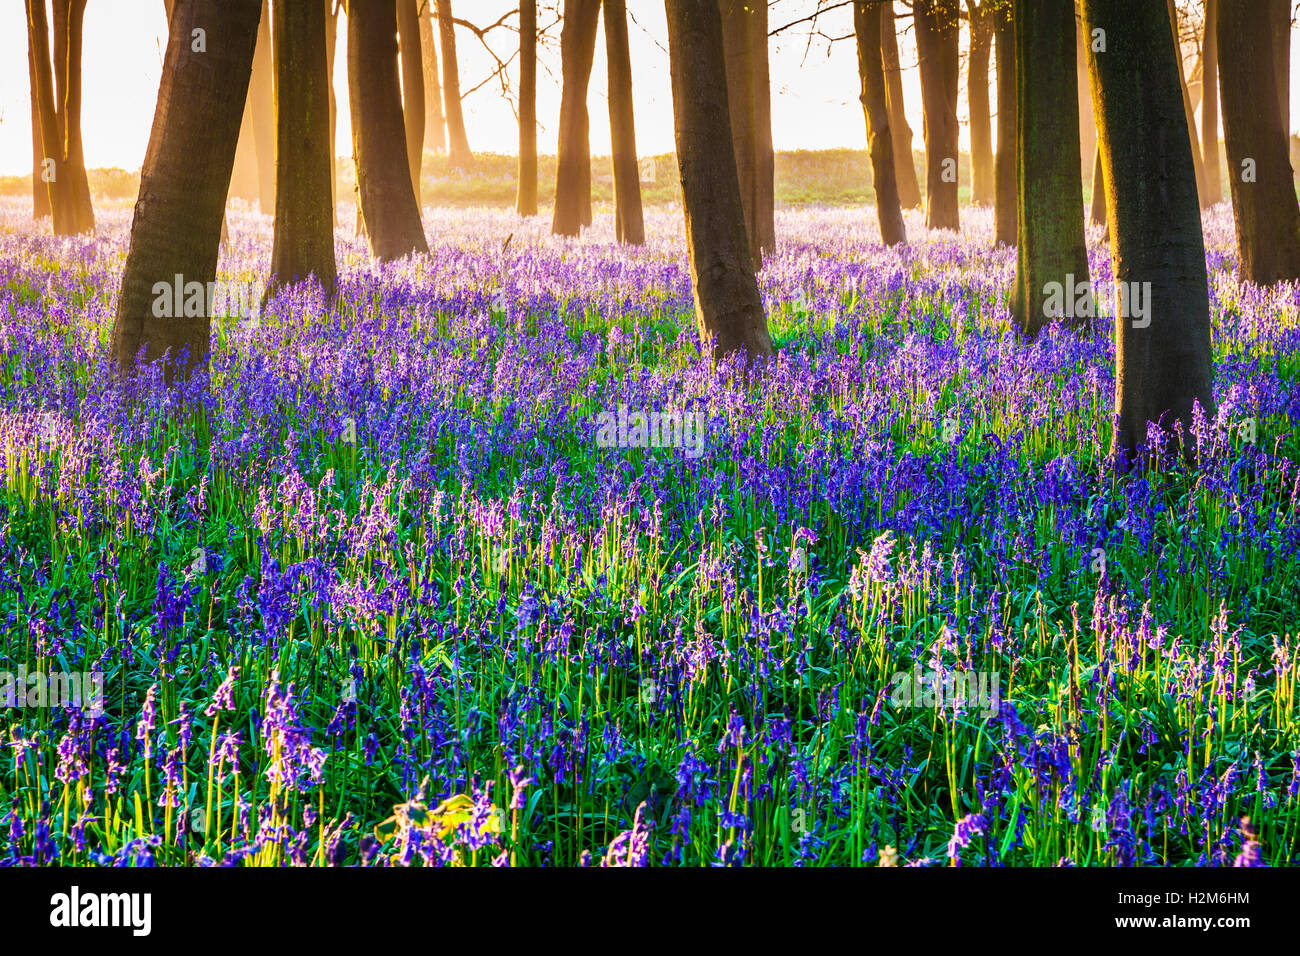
<point x="1087" y="126"/>
<point x="1006" y="226"/>
<point x="1162" y="359"/>
<point x="1279" y="13"/>
<point x="176" y="229"/>
<point x="977" y="96"/>
<point x="1210" y="106"/>
<point x="884" y="179"/>
<point x="573" y="155"/>
<point x="331" y="44"/>
<point x="40" y="191"/>
<point x="457" y="143"/>
<point x="412" y="70"/>
<point x="261" y="97"/>
<point x="1259" y="165"/>
<point x="526" y="199"/>
<point x="387" y="199"/>
<point x="1188" y="111"/>
<point x="1097" y="205"/>
<point x="909" y="190"/>
<point x="303" y="244"/>
<point x="435" y="127"/>
<point x="629" y="225"/>
<point x="738" y="53"/>
<point x="728" y="306"/>
<point x="1051" y="251"/>
<point x="937" y="31"/>
<point x="764" y="153"/>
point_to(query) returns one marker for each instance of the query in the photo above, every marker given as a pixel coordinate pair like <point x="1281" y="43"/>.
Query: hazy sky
<point x="814" y="84"/>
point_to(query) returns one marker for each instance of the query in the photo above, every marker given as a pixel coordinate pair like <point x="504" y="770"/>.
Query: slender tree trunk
<point x="728" y="306"/>
<point x="1259" y="165"/>
<point x="1097" y="205"/>
<point x="738" y="51"/>
<point x="936" y="43"/>
<point x="387" y="199"/>
<point x="1051" y="250"/>
<point x="1006" y="226"/>
<point x="1210" y="106"/>
<point x="412" y="70"/>
<point x="909" y="190"/>
<point x="457" y="143"/>
<point x="764" y="153"/>
<point x="435" y="126"/>
<point x="261" y="96"/>
<point x="526" y="200"/>
<point x="573" y="155"/>
<point x="303" y="244"/>
<point x="1189" y="112"/>
<point x="1162" y="358"/>
<point x="184" y="179"/>
<point x="331" y="44"/>
<point x="884" y="178"/>
<point x="1279" y="14"/>
<point x="629" y="224"/>
<point x="981" y="121"/>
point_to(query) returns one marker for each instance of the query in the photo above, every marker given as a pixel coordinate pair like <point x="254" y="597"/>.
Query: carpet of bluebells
<point x="370" y="592"/>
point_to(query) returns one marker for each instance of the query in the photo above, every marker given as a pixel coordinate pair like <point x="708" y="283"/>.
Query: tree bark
<point x="387" y="199"/>
<point x="176" y="229"/>
<point x="457" y="143"/>
<point x="1279" y="13"/>
<point x="573" y="155"/>
<point x="435" y="126"/>
<point x="1163" y="360"/>
<point x="982" y="191"/>
<point x="261" y="97"/>
<point x="1188" y="111"/>
<point x="1006" y="225"/>
<point x="738" y="55"/>
<point x="1264" y="204"/>
<point x="1210" y="106"/>
<point x="331" y="45"/>
<point x="303" y="244"/>
<point x="937" y="32"/>
<point x="629" y="224"/>
<point x="526" y="199"/>
<point x="1087" y="126"/>
<point x="909" y="190"/>
<point x="412" y="70"/>
<point x="728" y="306"/>
<point x="1051" y="250"/>
<point x="884" y="178"/>
<point x="764" y="153"/>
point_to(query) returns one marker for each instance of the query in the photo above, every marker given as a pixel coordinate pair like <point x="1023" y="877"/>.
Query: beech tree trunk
<point x="457" y="143"/>
<point x="765" y="154"/>
<point x="573" y="156"/>
<point x="866" y="25"/>
<point x="40" y="191"/>
<point x="331" y="44"/>
<point x="1279" y="14"/>
<point x="412" y="71"/>
<point x="738" y="49"/>
<point x="728" y="306"/>
<point x="1210" y="106"/>
<point x="1051" y="250"/>
<point x="303" y="244"/>
<point x="982" y="191"/>
<point x="1163" y="360"/>
<point x="386" y="196"/>
<point x="261" y="98"/>
<point x="936" y="42"/>
<point x="629" y="225"/>
<point x="1264" y="203"/>
<point x="176" y="229"/>
<point x="526" y="199"/>
<point x="1006" y="226"/>
<point x="1087" y="126"/>
<point x="909" y="189"/>
<point x="435" y="126"/>
<point x="1189" y="112"/>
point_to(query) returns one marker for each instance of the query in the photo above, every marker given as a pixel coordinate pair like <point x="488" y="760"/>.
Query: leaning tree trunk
<point x="386" y="197"/>
<point x="866" y="25"/>
<point x="526" y="199"/>
<point x="738" y="56"/>
<point x="937" y="32"/>
<point x="1051" y="250"/>
<point x="1210" y="106"/>
<point x="1259" y="165"/>
<point x="629" y="224"/>
<point x="303" y="244"/>
<point x="412" y="70"/>
<point x="573" y="156"/>
<point x="1005" y="162"/>
<point x="1188" y="111"/>
<point x="977" y="96"/>
<point x="728" y="306"/>
<point x="261" y="98"/>
<point x="457" y="143"/>
<point x="909" y="190"/>
<point x="176" y="229"/>
<point x="1097" y="202"/>
<point x="764" y="153"/>
<point x="1162" y="358"/>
